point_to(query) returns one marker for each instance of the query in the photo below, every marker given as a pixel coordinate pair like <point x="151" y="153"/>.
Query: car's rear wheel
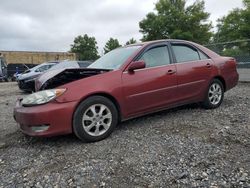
<point x="215" y="95"/>
<point x="95" y="119"/>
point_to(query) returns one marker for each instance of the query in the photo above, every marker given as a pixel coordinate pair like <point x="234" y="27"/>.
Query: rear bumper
<point x="232" y="81"/>
<point x="56" y="116"/>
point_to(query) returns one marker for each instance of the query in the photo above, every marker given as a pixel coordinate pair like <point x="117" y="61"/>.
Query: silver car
<point x="26" y="80"/>
<point x="42" y="80"/>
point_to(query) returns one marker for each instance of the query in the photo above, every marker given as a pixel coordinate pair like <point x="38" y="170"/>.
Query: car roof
<point x="158" y="41"/>
<point x="209" y="52"/>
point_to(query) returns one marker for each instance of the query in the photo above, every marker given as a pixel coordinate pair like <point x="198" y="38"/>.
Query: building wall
<point x="25" y="57"/>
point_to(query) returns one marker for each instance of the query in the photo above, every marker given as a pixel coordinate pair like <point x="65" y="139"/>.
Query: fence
<point x="239" y="49"/>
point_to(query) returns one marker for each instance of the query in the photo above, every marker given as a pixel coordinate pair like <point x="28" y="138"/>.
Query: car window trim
<point x="201" y="60"/>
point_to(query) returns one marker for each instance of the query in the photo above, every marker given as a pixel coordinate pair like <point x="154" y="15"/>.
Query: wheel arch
<point x="220" y="78"/>
<point x="106" y="95"/>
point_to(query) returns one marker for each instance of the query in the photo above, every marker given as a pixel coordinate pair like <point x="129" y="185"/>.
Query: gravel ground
<point x="182" y="147"/>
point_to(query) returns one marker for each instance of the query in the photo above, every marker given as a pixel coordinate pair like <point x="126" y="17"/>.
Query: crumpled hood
<point x="55" y="78"/>
<point x="49" y="74"/>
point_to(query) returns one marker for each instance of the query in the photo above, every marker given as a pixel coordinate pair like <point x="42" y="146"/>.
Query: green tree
<point x="173" y="19"/>
<point x="234" y="27"/>
<point x="111" y="45"/>
<point x="131" y="41"/>
<point x="85" y="47"/>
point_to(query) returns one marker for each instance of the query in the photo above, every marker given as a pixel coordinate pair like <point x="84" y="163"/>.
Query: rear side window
<point x="156" y="57"/>
<point x="203" y="56"/>
<point x="185" y="53"/>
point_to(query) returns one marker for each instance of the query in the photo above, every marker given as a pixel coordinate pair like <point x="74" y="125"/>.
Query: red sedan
<point x="127" y="82"/>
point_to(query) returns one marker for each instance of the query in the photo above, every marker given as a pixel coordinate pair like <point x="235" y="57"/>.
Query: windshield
<point x="114" y="59"/>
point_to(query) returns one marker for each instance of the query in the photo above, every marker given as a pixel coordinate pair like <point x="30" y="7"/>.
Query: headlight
<point x="42" y="97"/>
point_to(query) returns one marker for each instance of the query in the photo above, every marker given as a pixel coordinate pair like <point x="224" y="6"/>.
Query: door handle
<point x="208" y="65"/>
<point x="171" y="72"/>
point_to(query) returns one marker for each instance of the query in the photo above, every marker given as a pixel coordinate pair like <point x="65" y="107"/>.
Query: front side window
<point x="158" y="56"/>
<point x="185" y="53"/>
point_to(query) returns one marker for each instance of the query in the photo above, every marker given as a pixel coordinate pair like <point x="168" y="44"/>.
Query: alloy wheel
<point x="97" y="119"/>
<point x="215" y="93"/>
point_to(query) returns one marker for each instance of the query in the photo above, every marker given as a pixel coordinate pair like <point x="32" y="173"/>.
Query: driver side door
<point x="153" y="87"/>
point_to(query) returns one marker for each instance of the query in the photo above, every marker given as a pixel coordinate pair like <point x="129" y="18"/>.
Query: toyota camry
<point x="127" y="82"/>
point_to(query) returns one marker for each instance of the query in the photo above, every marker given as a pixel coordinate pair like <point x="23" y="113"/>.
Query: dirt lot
<point x="182" y="147"/>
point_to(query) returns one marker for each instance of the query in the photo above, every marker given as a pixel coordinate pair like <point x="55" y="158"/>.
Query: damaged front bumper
<point x="46" y="120"/>
<point x="27" y="85"/>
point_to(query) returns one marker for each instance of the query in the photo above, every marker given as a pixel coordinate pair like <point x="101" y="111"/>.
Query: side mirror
<point x="136" y="65"/>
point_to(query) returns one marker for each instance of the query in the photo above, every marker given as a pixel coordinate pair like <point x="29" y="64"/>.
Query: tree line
<point x="86" y="47"/>
<point x="173" y="19"/>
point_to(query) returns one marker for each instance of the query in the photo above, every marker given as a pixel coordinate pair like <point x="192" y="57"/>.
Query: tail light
<point x="231" y="63"/>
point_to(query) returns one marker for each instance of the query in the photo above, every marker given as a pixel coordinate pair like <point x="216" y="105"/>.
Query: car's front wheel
<point x="95" y="119"/>
<point x="214" y="95"/>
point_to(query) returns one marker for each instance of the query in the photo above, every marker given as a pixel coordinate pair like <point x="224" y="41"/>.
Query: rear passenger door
<point x="193" y="71"/>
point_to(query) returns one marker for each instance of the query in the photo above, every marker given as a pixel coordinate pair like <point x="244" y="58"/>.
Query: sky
<point x="52" y="25"/>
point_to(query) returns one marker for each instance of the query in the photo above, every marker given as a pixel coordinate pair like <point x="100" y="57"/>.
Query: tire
<point x="95" y="119"/>
<point x="214" y="95"/>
